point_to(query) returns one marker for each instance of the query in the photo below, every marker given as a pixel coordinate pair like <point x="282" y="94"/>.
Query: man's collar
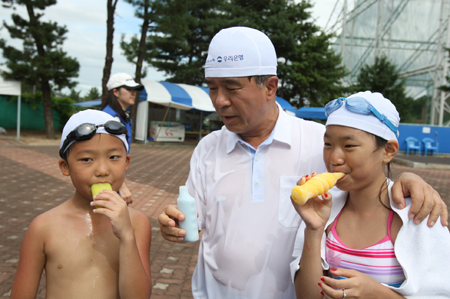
<point x="283" y="127"/>
<point x="282" y="131"/>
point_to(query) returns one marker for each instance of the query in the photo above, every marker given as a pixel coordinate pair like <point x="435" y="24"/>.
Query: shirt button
<point x="257" y="159"/>
<point x="257" y="182"/>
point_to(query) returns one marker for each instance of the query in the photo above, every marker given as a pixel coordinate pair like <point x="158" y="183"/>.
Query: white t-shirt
<point x="243" y="199"/>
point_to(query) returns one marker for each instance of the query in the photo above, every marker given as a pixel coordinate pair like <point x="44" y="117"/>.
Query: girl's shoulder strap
<point x="332" y="227"/>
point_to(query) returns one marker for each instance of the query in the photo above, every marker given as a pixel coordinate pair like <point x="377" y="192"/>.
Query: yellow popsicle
<point x="316" y="186"/>
<point x="96" y="188"/>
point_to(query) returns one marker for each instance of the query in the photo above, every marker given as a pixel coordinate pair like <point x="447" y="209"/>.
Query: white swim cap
<point x="240" y="52"/>
<point x="89" y="116"/>
<point x="368" y="122"/>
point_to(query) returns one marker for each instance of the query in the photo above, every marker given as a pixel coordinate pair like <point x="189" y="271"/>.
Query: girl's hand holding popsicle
<point x="313" y="210"/>
<point x="315" y="185"/>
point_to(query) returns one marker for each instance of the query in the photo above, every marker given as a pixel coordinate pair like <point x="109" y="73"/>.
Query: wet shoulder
<point x="45" y="222"/>
<point x="139" y="219"/>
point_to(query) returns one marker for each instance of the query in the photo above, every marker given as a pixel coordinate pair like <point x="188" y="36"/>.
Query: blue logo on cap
<point x="228" y="58"/>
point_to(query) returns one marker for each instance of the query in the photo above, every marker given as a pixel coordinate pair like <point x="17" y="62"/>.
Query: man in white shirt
<point x="241" y="176"/>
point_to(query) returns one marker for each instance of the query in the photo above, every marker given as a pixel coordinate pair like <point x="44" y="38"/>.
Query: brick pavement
<point x="30" y="183"/>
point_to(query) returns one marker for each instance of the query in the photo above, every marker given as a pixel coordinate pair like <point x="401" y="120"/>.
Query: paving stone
<point x="173" y="258"/>
<point x="166" y="270"/>
<point x="161" y="286"/>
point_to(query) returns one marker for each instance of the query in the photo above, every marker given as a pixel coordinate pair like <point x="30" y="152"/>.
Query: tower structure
<point x="413" y="34"/>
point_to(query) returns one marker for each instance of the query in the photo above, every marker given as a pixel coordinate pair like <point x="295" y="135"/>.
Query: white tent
<point x="12" y="88"/>
<point x="179" y="96"/>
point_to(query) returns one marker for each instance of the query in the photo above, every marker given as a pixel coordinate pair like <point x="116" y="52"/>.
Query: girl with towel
<point x="362" y="245"/>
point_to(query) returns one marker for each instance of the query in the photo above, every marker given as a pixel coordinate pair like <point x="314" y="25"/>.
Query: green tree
<point x="74" y="95"/>
<point x="309" y="71"/>
<point x="419" y="110"/>
<point x="135" y="50"/>
<point x="64" y="106"/>
<point x="179" y="37"/>
<point x="42" y="61"/>
<point x="93" y="94"/>
<point x="383" y="77"/>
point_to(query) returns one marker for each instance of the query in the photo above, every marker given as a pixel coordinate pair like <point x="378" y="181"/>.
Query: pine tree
<point x="42" y="61"/>
<point x="383" y="77"/>
<point x="135" y="51"/>
<point x="178" y="42"/>
<point x="93" y="94"/>
<point x="309" y="71"/>
<point x="110" y="8"/>
<point x="74" y="95"/>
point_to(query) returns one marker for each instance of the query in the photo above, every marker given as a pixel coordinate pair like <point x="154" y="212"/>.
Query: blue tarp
<point x="93" y="103"/>
<point x="311" y="113"/>
<point x="179" y="96"/>
<point x="285" y="104"/>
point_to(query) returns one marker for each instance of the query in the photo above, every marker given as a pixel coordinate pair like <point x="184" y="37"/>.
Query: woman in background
<point x="121" y="95"/>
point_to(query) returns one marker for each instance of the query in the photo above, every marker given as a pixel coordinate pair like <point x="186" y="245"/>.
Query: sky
<point x="86" y="37"/>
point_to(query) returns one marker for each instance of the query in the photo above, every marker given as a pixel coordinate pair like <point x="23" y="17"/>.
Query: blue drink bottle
<point x="186" y="204"/>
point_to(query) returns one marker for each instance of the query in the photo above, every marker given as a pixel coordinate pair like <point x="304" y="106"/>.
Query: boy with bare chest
<point x="89" y="249"/>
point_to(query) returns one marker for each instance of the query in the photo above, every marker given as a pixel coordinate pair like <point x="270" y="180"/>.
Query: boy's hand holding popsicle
<point x="110" y="204"/>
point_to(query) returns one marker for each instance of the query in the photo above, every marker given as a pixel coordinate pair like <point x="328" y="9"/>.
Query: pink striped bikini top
<point x="378" y="261"/>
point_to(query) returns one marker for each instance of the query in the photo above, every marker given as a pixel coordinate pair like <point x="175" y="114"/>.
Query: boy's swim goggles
<point x="86" y="131"/>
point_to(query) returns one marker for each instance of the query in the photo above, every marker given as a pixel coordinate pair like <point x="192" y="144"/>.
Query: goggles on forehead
<point x="359" y="105"/>
<point x="85" y="131"/>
